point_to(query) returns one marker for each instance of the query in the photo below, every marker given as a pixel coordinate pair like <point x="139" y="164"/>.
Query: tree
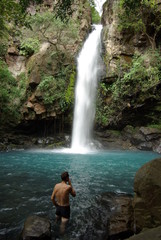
<point x="141" y="16"/>
<point x="11" y="12"/>
<point x="9" y="95"/>
<point x="25" y="3"/>
<point x="63" y="9"/>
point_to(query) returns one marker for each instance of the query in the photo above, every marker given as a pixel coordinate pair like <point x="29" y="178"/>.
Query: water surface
<point x="27" y="179"/>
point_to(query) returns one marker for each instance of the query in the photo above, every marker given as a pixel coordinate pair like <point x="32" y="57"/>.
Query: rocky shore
<point x="130" y="138"/>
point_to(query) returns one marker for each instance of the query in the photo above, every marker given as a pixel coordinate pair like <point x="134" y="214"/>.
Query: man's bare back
<point x="60" y="196"/>
<point x="61" y="193"/>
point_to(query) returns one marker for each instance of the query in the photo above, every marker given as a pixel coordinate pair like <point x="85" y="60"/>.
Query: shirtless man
<point x="60" y="198"/>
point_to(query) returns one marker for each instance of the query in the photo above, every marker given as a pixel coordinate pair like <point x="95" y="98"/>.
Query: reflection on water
<point x="27" y="179"/>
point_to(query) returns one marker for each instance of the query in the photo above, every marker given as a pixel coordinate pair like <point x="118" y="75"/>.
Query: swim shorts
<point x="63" y="211"/>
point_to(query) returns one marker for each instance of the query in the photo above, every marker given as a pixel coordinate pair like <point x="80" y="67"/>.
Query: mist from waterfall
<point x="85" y="92"/>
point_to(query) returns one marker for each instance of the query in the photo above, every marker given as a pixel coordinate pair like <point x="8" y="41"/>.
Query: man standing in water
<point x="60" y="198"/>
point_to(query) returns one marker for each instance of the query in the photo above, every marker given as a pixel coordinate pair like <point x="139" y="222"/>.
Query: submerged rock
<point x="36" y="228"/>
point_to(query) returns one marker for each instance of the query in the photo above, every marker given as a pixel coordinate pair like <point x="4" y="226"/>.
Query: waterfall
<point x="85" y="92"/>
<point x="98" y="5"/>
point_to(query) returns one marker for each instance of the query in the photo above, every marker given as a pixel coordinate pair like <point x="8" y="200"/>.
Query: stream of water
<point x="85" y="94"/>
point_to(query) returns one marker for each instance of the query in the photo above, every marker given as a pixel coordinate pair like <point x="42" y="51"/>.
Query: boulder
<point x="13" y="50"/>
<point x="147" y="198"/>
<point x="121" y="221"/>
<point x="157" y="147"/>
<point x="150" y="133"/>
<point x="137" y="138"/>
<point x="36" y="228"/>
<point x="154" y="233"/>
<point x="16" y="64"/>
<point x="39" y="109"/>
<point x="109" y="217"/>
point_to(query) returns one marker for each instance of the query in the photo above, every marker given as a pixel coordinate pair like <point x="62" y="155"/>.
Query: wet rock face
<point x="121" y="221"/>
<point x="118" y="45"/>
<point x="143" y="138"/>
<point x="56" y="58"/>
<point x="111" y="217"/>
<point x="119" y="105"/>
<point x="149" y="234"/>
<point x="36" y="228"/>
<point x="147" y="199"/>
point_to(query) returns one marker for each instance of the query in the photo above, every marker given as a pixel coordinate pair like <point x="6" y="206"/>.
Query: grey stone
<point x="36" y="228"/>
<point x="150" y="234"/>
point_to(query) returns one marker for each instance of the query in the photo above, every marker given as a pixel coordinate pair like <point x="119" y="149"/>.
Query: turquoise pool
<point x="27" y="179"/>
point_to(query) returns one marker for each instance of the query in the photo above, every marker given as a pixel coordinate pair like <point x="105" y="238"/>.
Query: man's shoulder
<point x="69" y="187"/>
<point x="57" y="185"/>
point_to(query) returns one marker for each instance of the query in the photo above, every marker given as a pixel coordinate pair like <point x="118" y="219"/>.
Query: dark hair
<point x="64" y="176"/>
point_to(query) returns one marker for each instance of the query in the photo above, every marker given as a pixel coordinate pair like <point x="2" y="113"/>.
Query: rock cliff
<point x="46" y="55"/>
<point x="126" y="94"/>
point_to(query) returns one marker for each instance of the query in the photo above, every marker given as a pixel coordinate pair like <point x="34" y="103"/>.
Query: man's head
<point x="65" y="176"/>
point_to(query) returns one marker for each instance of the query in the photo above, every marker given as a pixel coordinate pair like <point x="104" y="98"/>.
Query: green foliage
<point x="48" y="25"/>
<point x="29" y="46"/>
<point x="25" y="3"/>
<point x="64" y="9"/>
<point x="141" y="16"/>
<point x="9" y="96"/>
<point x="143" y="75"/>
<point x="95" y="16"/>
<point x="69" y="94"/>
<point x="52" y="90"/>
<point x="157" y="126"/>
<point x="56" y="91"/>
<point x="22" y="86"/>
<point x="131" y="88"/>
<point x="14" y="13"/>
<point x="11" y="12"/>
<point x="3" y="48"/>
<point x="103" y="110"/>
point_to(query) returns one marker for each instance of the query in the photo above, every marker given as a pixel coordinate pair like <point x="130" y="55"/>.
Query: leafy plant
<point x="22" y="86"/>
<point x="9" y="96"/>
<point x="11" y="12"/>
<point x="3" y="48"/>
<point x="52" y="90"/>
<point x="132" y="87"/>
<point x="29" y="46"/>
<point x="25" y="3"/>
<point x="141" y="16"/>
<point x="140" y="77"/>
<point x="52" y="29"/>
<point x="69" y="94"/>
<point x="95" y="16"/>
<point x="64" y="9"/>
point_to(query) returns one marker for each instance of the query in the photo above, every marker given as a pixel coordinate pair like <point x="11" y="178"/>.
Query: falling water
<point x="98" y="5"/>
<point x="85" y="93"/>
